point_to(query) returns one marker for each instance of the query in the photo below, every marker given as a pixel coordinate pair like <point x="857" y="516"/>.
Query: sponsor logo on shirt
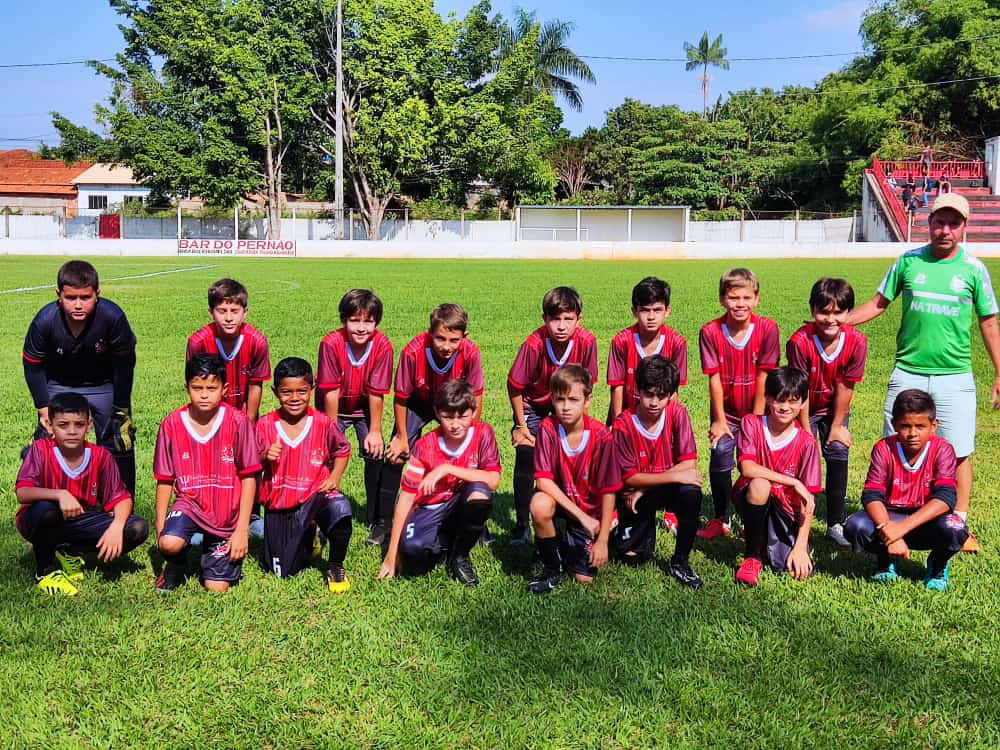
<point x="100" y="347"/>
<point x="921" y="278"/>
<point x="227" y="456"/>
<point x="185" y="456"/>
<point x="957" y="284"/>
<point x="317" y="458"/>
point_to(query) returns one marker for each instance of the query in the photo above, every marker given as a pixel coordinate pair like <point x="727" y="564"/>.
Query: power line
<point x="55" y="64"/>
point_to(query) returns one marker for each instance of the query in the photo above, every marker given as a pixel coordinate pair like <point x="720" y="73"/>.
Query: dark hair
<point x="449" y="316"/>
<point x="649" y="291"/>
<point x="563" y="380"/>
<point x="293" y="367"/>
<point x="562" y="299"/>
<point x="913" y="401"/>
<point x="785" y="383"/>
<point x="77" y="273"/>
<point x="227" y="290"/>
<point x="455" y="396"/>
<point x="360" y="300"/>
<point x="205" y="366"/>
<point x="836" y="292"/>
<point x="68" y="403"/>
<point x="659" y="374"/>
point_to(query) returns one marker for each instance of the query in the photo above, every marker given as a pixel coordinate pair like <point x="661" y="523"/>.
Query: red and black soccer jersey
<point x="536" y="361"/>
<point x="206" y="470"/>
<point x="795" y="455"/>
<point x="905" y="487"/>
<point x="738" y="364"/>
<point x="95" y="483"/>
<point x="642" y="451"/>
<point x="846" y="364"/>
<point x="585" y="473"/>
<point x="419" y="377"/>
<point x="304" y="463"/>
<point x="106" y="342"/>
<point x="626" y="354"/>
<point x="356" y="378"/>
<point x="478" y="451"/>
<point x="248" y="362"/>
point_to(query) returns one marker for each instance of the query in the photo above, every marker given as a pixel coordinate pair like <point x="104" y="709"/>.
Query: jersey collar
<point x="61" y="460"/>
<point x="440" y="370"/>
<point x="777" y="445"/>
<point x="293" y="443"/>
<point x="732" y="341"/>
<point x="222" y="350"/>
<point x="656" y="431"/>
<point x="552" y="355"/>
<point x="564" y="442"/>
<point x="821" y="350"/>
<point x="638" y="345"/>
<point x="916" y="465"/>
<point x="461" y="449"/>
<point x="216" y="424"/>
<point x="363" y="358"/>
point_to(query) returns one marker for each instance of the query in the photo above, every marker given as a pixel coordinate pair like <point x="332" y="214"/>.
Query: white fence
<point x="772" y="230"/>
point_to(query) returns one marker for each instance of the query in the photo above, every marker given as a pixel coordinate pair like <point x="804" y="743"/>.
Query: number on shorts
<point x="276" y="566"/>
<point x="410" y="530"/>
<point x="627" y="533"/>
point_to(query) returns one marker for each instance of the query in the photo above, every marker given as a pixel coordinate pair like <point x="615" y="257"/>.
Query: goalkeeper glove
<point x="122" y="430"/>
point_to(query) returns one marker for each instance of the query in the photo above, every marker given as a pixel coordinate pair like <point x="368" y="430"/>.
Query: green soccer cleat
<point x="56" y="583"/>
<point x="72" y="565"/>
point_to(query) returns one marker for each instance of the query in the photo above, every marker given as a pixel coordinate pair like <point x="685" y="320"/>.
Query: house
<point x="107" y="186"/>
<point x="29" y="183"/>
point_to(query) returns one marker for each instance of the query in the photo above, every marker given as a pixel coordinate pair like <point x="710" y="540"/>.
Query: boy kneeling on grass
<point x="73" y="503"/>
<point x="779" y="474"/>
<point x="447" y="491"/>
<point x="909" y="495"/>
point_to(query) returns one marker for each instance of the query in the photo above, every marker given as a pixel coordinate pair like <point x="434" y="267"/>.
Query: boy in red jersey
<point x="560" y="341"/>
<point x="353" y="376"/>
<point x="910" y="495"/>
<point x="73" y="502"/>
<point x="833" y="354"/>
<point x="243" y="348"/>
<point x="206" y="458"/>
<point x="447" y="490"/>
<point x="576" y="478"/>
<point x="648" y="336"/>
<point x="737" y="351"/>
<point x="655" y="452"/>
<point x="441" y="354"/>
<point x="304" y="455"/>
<point x="779" y="474"/>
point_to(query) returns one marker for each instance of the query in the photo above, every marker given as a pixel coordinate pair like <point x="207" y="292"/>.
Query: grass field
<point x="631" y="661"/>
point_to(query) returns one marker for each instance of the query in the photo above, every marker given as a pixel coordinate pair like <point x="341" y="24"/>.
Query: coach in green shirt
<point x="941" y="286"/>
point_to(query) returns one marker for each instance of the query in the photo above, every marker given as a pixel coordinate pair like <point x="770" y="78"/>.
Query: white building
<point x="106" y="187"/>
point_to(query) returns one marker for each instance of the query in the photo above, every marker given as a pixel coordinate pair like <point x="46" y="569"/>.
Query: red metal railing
<point x="891" y="199"/>
<point x="956" y="170"/>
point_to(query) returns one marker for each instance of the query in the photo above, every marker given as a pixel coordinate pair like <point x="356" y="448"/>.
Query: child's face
<point x="739" y="302"/>
<point x="784" y="411"/>
<point x="445" y="342"/>
<point x="206" y="394"/>
<point x="229" y="316"/>
<point x="70" y="430"/>
<point x="294" y="395"/>
<point x="830" y="321"/>
<point x="570" y="406"/>
<point x="914" y="431"/>
<point x="77" y="302"/>
<point x="455" y="424"/>
<point x="651" y="317"/>
<point x="360" y="328"/>
<point x="562" y="326"/>
<point x="651" y="404"/>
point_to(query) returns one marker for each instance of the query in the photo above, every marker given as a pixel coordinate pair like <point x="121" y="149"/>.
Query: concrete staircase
<point x="984" y="217"/>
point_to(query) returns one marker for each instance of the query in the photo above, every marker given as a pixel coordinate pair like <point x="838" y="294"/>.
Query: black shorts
<point x="288" y="534"/>
<point x="215" y="562"/>
<point x="782" y="530"/>
<point x="575" y="547"/>
<point x="634" y="539"/>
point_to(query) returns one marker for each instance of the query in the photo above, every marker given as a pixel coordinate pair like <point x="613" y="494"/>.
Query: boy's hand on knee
<point x="432" y="477"/>
<point x="717" y="431"/>
<point x="839" y="434"/>
<point x="239" y="543"/>
<point x="592" y="525"/>
<point x="399" y="449"/>
<point x="633" y="499"/>
<point x="111" y="543"/>
<point x="599" y="554"/>
<point x="899" y="549"/>
<point x="799" y="564"/>
<point x="808" y="501"/>
<point x="521" y="435"/>
<point x="69" y="505"/>
<point x="374" y="444"/>
<point x="690" y="476"/>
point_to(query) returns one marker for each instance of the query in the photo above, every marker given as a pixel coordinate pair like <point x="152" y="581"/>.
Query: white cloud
<point x="844" y="16"/>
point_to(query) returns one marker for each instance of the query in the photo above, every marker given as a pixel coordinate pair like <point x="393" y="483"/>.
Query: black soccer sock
<point x="126" y="467"/>
<point x="389" y="481"/>
<point x="136" y="531"/>
<point x="722" y="488"/>
<point x="338" y="536"/>
<point x="836" y="491"/>
<point x="524" y="482"/>
<point x="548" y="552"/>
<point x="46" y="537"/>
<point x="755" y="526"/>
<point x="373" y="471"/>
<point x="470" y="526"/>
<point x="179" y="559"/>
<point x="687" y="506"/>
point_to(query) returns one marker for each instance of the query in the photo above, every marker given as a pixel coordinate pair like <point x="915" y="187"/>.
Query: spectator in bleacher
<point x="913" y="205"/>
<point x="927" y="157"/>
<point x="908" y="188"/>
<point x="892" y="182"/>
<point x="945" y="185"/>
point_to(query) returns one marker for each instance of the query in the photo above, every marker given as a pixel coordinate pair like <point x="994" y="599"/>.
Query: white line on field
<point x="118" y="278"/>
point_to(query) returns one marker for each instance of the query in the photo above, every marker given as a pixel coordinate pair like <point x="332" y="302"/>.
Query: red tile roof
<point x="23" y="172"/>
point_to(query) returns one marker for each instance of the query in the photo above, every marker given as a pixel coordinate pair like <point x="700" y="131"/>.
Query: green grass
<point x="631" y="661"/>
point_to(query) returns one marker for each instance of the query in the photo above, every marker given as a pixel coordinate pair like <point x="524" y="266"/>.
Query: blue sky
<point x="56" y="30"/>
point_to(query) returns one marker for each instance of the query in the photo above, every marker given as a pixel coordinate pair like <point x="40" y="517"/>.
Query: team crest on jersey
<point x="185" y="456"/>
<point x="318" y="457"/>
<point x="227" y="456"/>
<point x="100" y="347"/>
<point x="921" y="278"/>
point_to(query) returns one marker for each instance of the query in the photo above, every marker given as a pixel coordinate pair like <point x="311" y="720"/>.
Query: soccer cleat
<point x="749" y="572"/>
<point x="337" y="580"/>
<point x="377" y="536"/>
<point x="519" y="535"/>
<point x="670" y="522"/>
<point x="256" y="526"/>
<point x="684" y="575"/>
<point x="835" y="534"/>
<point x="171" y="577"/>
<point x="72" y="565"/>
<point x="55" y="583"/>
<point x="888" y="575"/>
<point x="938" y="582"/>
<point x="971" y="546"/>
<point x="712" y="529"/>
<point x="548" y="580"/>
<point x="460" y="568"/>
<point x="486" y="538"/>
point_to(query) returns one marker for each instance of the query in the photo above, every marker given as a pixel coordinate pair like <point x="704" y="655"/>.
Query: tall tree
<point x="77" y="143"/>
<point x="702" y="56"/>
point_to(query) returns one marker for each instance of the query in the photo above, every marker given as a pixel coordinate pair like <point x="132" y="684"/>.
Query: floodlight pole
<point x="339" y="154"/>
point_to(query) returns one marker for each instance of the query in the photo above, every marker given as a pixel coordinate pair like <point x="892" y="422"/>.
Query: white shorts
<point x="955" y="398"/>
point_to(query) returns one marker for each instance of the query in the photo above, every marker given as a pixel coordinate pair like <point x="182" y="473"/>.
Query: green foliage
<point x="77" y="143"/>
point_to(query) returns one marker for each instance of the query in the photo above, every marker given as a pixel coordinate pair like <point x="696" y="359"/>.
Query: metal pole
<point x="796" y="225"/>
<point x="628" y="229"/>
<point x="463" y="224"/>
<point x="854" y="226"/>
<point x="743" y="225"/>
<point x="517" y="224"/>
<point x="6" y="222"/>
<point x="121" y="221"/>
<point x="351" y="226"/>
<point x="406" y="223"/>
<point x="339" y="153"/>
<point x="578" y="225"/>
<point x="293" y="223"/>
<point x="178" y="219"/>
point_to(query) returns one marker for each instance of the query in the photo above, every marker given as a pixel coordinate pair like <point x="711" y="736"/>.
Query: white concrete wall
<point x="116" y="195"/>
<point x="874" y="225"/>
<point x="603" y="224"/>
<point x="771" y="230"/>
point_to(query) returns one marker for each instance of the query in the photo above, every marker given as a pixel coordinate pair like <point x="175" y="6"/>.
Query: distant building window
<point x="133" y="199"/>
<point x="99" y="202"/>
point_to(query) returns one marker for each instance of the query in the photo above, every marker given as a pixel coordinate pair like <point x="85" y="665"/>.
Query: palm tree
<point x="555" y="63"/>
<point x="701" y="57"/>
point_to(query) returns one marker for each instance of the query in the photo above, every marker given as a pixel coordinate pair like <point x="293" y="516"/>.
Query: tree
<point x="77" y="143"/>
<point x="569" y="159"/>
<point x="702" y="56"/>
<point x="555" y="64"/>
